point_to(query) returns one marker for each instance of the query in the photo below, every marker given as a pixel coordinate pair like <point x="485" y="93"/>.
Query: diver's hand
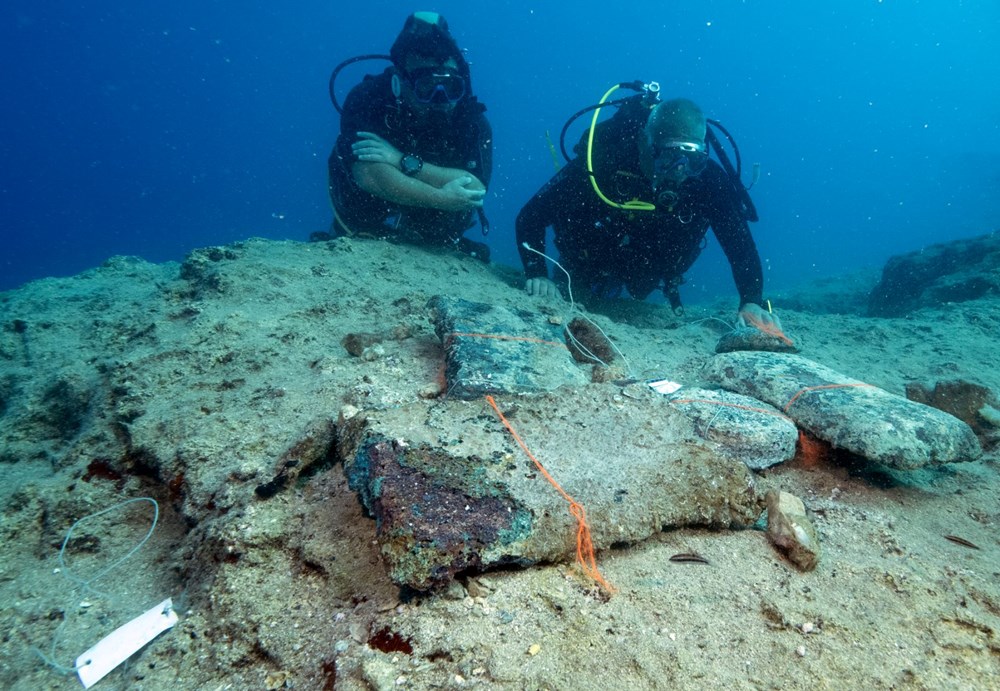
<point x="464" y="193"/>
<point x="757" y="317"/>
<point x="542" y="287"/>
<point x="371" y="148"/>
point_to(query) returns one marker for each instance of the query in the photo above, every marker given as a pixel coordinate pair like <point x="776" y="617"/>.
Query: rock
<point x="492" y="349"/>
<point x="791" y="531"/>
<point x="948" y="272"/>
<point x="750" y="338"/>
<point x="845" y="293"/>
<point x="63" y="407"/>
<point x="739" y="427"/>
<point x="847" y="413"/>
<point x="451" y="491"/>
<point x="588" y="344"/>
<point x="970" y="403"/>
<point x="205" y="269"/>
<point x="357" y="343"/>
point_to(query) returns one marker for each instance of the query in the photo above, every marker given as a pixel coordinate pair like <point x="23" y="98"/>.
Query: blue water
<point x="153" y="128"/>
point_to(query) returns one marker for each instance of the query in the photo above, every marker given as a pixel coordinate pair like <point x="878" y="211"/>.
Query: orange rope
<point x="769" y="329"/>
<point x="732" y="405"/>
<point x="501" y="337"/>
<point x="819" y="388"/>
<point x="584" y="544"/>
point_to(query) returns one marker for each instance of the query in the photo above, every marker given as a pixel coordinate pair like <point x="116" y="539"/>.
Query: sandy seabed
<point x="196" y="383"/>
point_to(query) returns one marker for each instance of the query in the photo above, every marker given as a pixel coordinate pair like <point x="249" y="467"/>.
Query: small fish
<point x="689" y="558"/>
<point x="961" y="541"/>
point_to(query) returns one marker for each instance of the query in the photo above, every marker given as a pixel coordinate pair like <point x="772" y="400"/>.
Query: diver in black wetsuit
<point x="609" y="241"/>
<point x="415" y="151"/>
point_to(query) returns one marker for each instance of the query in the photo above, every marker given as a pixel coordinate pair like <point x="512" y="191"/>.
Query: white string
<point x="573" y="309"/>
<point x="84" y="583"/>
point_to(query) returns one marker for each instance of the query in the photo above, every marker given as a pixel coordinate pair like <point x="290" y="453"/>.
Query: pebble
<point x="801" y="651"/>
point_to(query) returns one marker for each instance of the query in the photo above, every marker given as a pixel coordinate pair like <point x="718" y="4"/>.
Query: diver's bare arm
<point x="439" y="176"/>
<point x="457" y="192"/>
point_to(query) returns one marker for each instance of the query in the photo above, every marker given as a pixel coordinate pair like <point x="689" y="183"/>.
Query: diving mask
<point x="673" y="163"/>
<point x="437" y="85"/>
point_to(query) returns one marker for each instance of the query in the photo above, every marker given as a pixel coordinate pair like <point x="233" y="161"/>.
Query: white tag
<point x="664" y="386"/>
<point x="120" y="644"/>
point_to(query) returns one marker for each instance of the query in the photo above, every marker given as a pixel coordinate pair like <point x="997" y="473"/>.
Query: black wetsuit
<point x="606" y="249"/>
<point x="464" y="140"/>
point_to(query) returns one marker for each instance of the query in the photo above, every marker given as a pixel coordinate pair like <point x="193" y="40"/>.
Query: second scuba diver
<point x="609" y="240"/>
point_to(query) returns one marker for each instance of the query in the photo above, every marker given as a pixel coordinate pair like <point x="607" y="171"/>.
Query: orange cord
<point x="769" y="329"/>
<point x="819" y="388"/>
<point x="731" y="405"/>
<point x="584" y="544"/>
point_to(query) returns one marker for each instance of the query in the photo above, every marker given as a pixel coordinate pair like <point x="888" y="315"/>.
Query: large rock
<point x="493" y="349"/>
<point x="949" y="272"/>
<point x="848" y="413"/>
<point x="450" y="489"/>
<point x="739" y="427"/>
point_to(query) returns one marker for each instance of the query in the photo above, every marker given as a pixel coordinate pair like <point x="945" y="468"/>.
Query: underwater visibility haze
<point x="152" y="130"/>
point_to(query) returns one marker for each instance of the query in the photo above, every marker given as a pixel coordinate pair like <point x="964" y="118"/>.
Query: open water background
<point x="150" y="129"/>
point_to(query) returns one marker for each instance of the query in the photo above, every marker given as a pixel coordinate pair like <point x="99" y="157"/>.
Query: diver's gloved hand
<point x="756" y="316"/>
<point x="371" y="148"/>
<point x="542" y="287"/>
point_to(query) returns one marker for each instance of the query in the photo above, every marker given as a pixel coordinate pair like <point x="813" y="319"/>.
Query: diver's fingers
<point x="372" y="137"/>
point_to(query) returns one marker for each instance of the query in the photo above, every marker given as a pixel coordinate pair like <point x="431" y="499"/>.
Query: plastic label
<point x="123" y="642"/>
<point x="663" y="386"/>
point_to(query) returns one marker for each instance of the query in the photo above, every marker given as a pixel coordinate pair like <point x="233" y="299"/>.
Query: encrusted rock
<point x="970" y="403"/>
<point x="847" y="413"/>
<point x="751" y="338"/>
<point x="790" y="530"/>
<point x="451" y="491"/>
<point x="357" y="343"/>
<point x="491" y="349"/>
<point x="739" y="427"/>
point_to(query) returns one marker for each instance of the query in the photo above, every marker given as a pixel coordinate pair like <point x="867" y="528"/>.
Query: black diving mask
<point x="437" y="86"/>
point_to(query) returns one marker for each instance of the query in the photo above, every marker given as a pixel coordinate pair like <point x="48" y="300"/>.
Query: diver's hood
<point x="427" y="34"/>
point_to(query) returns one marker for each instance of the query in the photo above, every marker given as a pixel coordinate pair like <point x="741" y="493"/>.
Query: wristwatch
<point x="411" y="164"/>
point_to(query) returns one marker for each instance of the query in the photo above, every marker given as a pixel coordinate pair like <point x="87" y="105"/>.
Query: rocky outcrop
<point x="949" y="272"/>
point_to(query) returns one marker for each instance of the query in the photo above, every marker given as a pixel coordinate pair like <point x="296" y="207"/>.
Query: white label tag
<point x="120" y="644"/>
<point x="663" y="386"/>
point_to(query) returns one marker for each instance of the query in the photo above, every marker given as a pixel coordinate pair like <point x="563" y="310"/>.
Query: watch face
<point x="410" y="165"/>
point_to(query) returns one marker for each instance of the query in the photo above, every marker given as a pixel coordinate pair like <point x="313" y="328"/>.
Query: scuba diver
<point x="415" y="151"/>
<point x="631" y="210"/>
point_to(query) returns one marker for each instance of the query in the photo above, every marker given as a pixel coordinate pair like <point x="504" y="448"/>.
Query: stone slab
<point x="491" y="349"/>
<point x="739" y="427"/>
<point x="846" y="412"/>
<point x="451" y="491"/>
